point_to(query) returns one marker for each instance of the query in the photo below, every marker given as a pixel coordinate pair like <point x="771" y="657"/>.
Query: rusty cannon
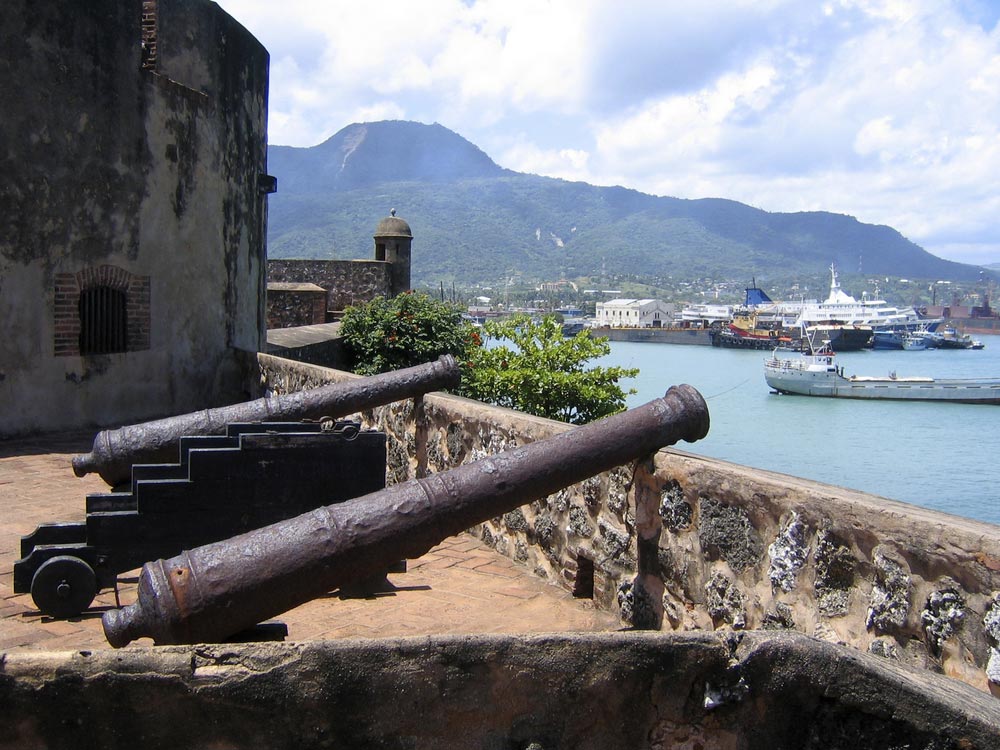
<point x="115" y="451"/>
<point x="212" y="592"/>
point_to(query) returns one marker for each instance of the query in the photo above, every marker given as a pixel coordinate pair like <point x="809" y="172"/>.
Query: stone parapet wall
<point x="684" y="542"/>
<point x="347" y="282"/>
<point x="289" y="308"/>
<point x="726" y="546"/>
<point x="607" y="691"/>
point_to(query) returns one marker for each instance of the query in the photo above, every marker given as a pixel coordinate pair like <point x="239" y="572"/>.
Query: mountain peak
<point x="365" y="154"/>
<point x="476" y="221"/>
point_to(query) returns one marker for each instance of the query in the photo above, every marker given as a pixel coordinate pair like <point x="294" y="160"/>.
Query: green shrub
<point x="544" y="373"/>
<point x="410" y="329"/>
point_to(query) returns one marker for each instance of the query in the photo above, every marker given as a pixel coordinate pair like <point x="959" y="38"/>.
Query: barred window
<point x="103" y="320"/>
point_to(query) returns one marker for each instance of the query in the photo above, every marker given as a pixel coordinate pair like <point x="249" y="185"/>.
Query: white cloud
<point x="569" y="164"/>
<point x="887" y="110"/>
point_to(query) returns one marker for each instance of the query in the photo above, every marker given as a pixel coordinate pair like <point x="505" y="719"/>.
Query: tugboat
<point x="756" y="325"/>
<point x="747" y="331"/>
<point x="949" y="338"/>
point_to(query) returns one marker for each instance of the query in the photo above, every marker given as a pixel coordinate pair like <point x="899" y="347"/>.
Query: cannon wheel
<point x="63" y="586"/>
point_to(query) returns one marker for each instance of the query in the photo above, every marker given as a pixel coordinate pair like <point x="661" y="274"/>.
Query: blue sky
<point x="887" y="110"/>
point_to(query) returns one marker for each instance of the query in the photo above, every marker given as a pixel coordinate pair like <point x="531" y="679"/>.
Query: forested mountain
<point x="474" y="221"/>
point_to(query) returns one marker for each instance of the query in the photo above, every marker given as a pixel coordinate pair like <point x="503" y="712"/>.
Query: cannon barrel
<point x="212" y="592"/>
<point x="115" y="451"/>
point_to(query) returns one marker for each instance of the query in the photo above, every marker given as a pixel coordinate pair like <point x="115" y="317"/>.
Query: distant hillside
<point x="474" y="221"/>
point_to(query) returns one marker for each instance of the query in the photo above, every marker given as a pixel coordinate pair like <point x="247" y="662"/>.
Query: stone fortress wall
<point x="686" y="543"/>
<point x="345" y="282"/>
<point x="587" y="691"/>
<point x="132" y="217"/>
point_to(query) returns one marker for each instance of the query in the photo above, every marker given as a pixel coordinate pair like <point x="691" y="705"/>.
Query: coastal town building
<point x="633" y="313"/>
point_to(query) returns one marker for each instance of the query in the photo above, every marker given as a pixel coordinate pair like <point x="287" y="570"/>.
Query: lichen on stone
<point x="454" y="441"/>
<point x="590" y="490"/>
<point x="890" y="598"/>
<point x="942" y="615"/>
<point x="500" y="544"/>
<point x="725" y="531"/>
<point x="398" y="462"/>
<point x="636" y="606"/>
<point x="559" y="502"/>
<point x="991" y="625"/>
<point x="724" y="601"/>
<point x="674" y="510"/>
<point x="617" y="545"/>
<point x="579" y="524"/>
<point x="618" y="491"/>
<point x="515" y="520"/>
<point x="788" y="554"/>
<point x="520" y="551"/>
<point x="780" y="618"/>
<point x="884" y="648"/>
<point x="544" y="530"/>
<point x="835" y="569"/>
<point x="487" y="536"/>
<point x="435" y="456"/>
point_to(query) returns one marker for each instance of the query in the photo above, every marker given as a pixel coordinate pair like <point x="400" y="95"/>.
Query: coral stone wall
<point x="682" y="542"/>
<point x="292" y="305"/>
<point x="347" y="282"/>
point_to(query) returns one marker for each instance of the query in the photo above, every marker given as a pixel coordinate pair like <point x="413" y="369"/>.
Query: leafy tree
<point x="542" y="372"/>
<point x="409" y="329"/>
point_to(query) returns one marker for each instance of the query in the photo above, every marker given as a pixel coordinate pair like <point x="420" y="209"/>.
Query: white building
<point x="634" y="313"/>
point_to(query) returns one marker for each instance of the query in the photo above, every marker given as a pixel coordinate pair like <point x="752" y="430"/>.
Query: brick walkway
<point x="461" y="586"/>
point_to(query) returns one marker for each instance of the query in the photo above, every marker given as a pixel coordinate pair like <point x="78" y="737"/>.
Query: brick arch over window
<point x="92" y="307"/>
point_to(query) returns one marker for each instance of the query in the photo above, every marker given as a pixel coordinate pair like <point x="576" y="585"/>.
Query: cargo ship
<point x="817" y="374"/>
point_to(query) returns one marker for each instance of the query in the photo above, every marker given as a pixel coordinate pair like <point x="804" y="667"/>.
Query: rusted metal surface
<point x="209" y="593"/>
<point x="115" y="451"/>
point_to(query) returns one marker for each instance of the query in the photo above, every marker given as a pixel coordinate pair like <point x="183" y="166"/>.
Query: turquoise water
<point x="940" y="456"/>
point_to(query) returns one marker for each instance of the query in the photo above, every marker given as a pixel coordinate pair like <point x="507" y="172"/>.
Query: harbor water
<point x="937" y="455"/>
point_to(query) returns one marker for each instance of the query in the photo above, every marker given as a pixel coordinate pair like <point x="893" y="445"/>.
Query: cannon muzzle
<point x="212" y="592"/>
<point x="115" y="451"/>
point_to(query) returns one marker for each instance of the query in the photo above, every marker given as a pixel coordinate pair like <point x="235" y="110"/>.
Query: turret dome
<point x="393" y="226"/>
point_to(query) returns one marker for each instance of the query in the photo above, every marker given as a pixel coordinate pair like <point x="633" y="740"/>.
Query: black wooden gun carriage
<point x="223" y="485"/>
<point x="189" y="480"/>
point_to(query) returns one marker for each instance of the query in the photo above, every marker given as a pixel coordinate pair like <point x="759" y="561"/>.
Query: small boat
<point x="888" y="339"/>
<point x="816" y="374"/>
<point x="915" y="341"/>
<point x="949" y="338"/>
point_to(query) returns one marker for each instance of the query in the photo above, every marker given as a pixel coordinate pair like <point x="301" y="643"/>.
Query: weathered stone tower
<point x="133" y="209"/>
<point x="392" y="245"/>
